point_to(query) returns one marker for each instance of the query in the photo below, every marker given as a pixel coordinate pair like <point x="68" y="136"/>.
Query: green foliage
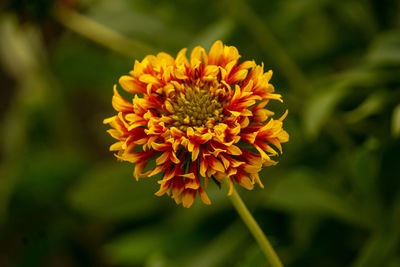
<point x="303" y="191"/>
<point x="333" y="200"/>
<point x="106" y="193"/>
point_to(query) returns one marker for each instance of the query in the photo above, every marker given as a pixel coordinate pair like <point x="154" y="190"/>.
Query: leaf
<point x="6" y="190"/>
<point x="394" y="262"/>
<point x="139" y="246"/>
<point x="23" y="60"/>
<point x="253" y="256"/>
<point x="383" y="242"/>
<point x="76" y="64"/>
<point x="167" y="240"/>
<point x="303" y="228"/>
<point x="135" y="247"/>
<point x="217" y="251"/>
<point x="320" y="107"/>
<point x="142" y="25"/>
<point x="372" y="105"/>
<point x="301" y="192"/>
<point x="109" y="191"/>
<point x="47" y="174"/>
<point x="386" y="50"/>
<point x="364" y="170"/>
<point x="216" y="31"/>
<point x="396" y="122"/>
<point x="157" y="260"/>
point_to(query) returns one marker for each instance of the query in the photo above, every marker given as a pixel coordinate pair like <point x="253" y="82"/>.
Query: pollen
<point x="196" y="106"/>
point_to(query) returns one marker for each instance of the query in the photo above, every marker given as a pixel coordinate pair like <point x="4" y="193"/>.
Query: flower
<point x="197" y="119"/>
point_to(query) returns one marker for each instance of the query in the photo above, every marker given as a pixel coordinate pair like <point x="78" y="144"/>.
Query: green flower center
<point x="195" y="107"/>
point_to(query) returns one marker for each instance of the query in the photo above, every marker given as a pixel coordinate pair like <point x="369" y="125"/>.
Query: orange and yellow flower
<point x="197" y="118"/>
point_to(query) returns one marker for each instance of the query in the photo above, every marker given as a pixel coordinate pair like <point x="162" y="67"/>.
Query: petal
<point x="234" y="150"/>
<point x="195" y="152"/>
<point x="120" y="104"/>
<point x="215" y="164"/>
<point x="130" y="84"/>
<point x="231" y="187"/>
<point x="149" y="79"/>
<point x="216" y="51"/>
<point x="198" y="57"/>
<point x="244" y="180"/>
<point x="181" y="58"/>
<point x="163" y="158"/>
<point x="204" y="197"/>
<point x="203" y="166"/>
<point x="163" y="189"/>
<point x="238" y="76"/>
<point x="188" y="197"/>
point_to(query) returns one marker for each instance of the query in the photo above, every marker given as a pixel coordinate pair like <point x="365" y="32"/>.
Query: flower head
<point x="197" y="118"/>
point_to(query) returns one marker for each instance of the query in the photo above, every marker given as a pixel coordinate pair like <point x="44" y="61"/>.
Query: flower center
<point x="195" y="107"/>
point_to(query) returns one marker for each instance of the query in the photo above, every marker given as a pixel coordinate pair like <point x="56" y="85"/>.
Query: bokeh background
<point x="333" y="200"/>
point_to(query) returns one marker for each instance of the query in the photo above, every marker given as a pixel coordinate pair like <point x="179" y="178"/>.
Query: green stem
<point x="254" y="228"/>
<point x="99" y="33"/>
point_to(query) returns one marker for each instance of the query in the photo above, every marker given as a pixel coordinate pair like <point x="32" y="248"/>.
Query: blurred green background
<point x="333" y="200"/>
